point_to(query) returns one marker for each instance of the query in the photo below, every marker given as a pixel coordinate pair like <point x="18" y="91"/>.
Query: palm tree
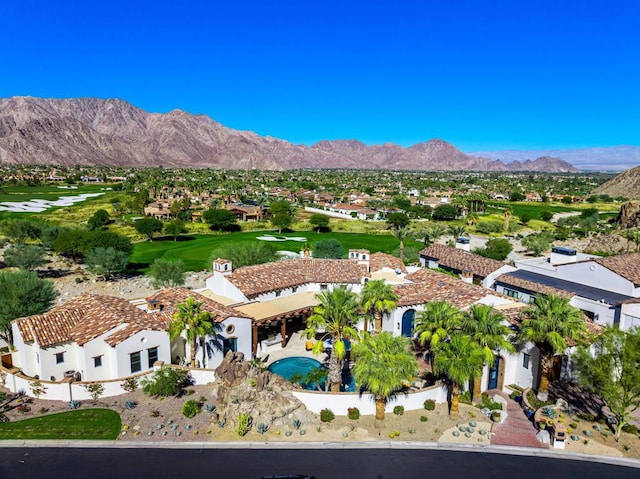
<point x="488" y="328"/>
<point x="383" y="363"/>
<point x="457" y="231"/>
<point x="377" y="298"/>
<point x="459" y="359"/>
<point x="436" y="323"/>
<point x="401" y="234"/>
<point x="432" y="234"/>
<point x="507" y="218"/>
<point x="337" y="315"/>
<point x="191" y="318"/>
<point x="548" y="324"/>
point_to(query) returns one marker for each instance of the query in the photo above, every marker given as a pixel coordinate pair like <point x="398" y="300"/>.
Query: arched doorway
<point x="496" y="374"/>
<point x="407" y="322"/>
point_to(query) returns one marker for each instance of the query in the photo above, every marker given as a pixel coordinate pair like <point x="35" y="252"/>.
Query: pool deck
<point x="295" y="347"/>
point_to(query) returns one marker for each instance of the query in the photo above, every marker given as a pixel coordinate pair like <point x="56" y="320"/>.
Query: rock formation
<point x="629" y="216"/>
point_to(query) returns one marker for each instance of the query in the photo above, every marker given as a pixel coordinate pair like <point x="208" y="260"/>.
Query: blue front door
<point x="407" y="322"/>
<point x="494" y="372"/>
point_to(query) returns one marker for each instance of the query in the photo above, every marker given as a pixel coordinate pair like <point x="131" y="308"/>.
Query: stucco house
<point x="92" y="337"/>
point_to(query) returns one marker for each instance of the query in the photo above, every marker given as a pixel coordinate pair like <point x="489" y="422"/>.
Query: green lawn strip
<point x="534" y="209"/>
<point x="81" y="424"/>
<point x="195" y="250"/>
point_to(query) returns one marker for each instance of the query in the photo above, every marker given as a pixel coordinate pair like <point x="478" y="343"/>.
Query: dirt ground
<point x="162" y="420"/>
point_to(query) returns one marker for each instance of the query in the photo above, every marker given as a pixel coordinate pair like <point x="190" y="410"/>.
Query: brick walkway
<point x="516" y="430"/>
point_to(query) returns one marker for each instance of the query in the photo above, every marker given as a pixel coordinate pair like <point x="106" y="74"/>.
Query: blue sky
<point x="480" y="74"/>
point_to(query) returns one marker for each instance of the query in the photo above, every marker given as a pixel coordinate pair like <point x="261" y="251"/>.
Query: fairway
<point x="81" y="424"/>
<point x="195" y="250"/>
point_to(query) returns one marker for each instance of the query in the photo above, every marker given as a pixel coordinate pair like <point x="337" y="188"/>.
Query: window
<point x="59" y="358"/>
<point x="525" y="360"/>
<point x="37" y="358"/>
<point x="323" y="287"/>
<point x="278" y="293"/>
<point x="136" y="364"/>
<point x="97" y="361"/>
<point x="532" y="299"/>
<point x="153" y="355"/>
<point x="511" y="293"/>
<point x="229" y="344"/>
<point x="294" y="289"/>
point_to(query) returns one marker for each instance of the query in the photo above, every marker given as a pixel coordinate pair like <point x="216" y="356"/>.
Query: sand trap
<point x="38" y="206"/>
<point x="301" y="239"/>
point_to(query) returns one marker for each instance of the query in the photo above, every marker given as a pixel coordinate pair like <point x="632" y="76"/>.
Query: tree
<point x="507" y="218"/>
<point x="337" y="316"/>
<point x="106" y="239"/>
<point x="436" y="323"/>
<point x="23" y="294"/>
<point x="175" y="228"/>
<point x="71" y="243"/>
<point x="457" y="231"/>
<point x="106" y="262"/>
<point x="496" y="248"/>
<point x="613" y="373"/>
<point x="397" y="220"/>
<point x="401" y="235"/>
<point x="433" y="233"/>
<point x="180" y="209"/>
<point x="383" y="364"/>
<point x="220" y="219"/>
<point x="548" y="324"/>
<point x="319" y="221"/>
<point x="245" y="254"/>
<point x="282" y="214"/>
<point x="460" y="360"/>
<point x="328" y="248"/>
<point x="166" y="272"/>
<point x="99" y="220"/>
<point x="148" y="227"/>
<point x="376" y="299"/>
<point x="402" y="202"/>
<point x="24" y="256"/>
<point x="444" y="213"/>
<point x="487" y="327"/>
<point x="196" y="323"/>
<point x="537" y="243"/>
<point x="517" y="196"/>
<point x="546" y="215"/>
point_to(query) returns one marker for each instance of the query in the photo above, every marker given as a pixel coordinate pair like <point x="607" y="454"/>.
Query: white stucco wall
<point x="604" y="312"/>
<point x="141" y="341"/>
<point x="491" y="278"/>
<point x="241" y="331"/>
<point x="219" y="284"/>
<point x="630" y="316"/>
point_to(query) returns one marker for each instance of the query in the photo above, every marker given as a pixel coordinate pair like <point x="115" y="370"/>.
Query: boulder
<point x="629" y="216"/>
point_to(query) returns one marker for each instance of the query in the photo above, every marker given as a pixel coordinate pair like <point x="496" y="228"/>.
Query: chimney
<point x="463" y="244"/>
<point x="154" y="306"/>
<point x="467" y="276"/>
<point x="563" y="255"/>
<point x="222" y="266"/>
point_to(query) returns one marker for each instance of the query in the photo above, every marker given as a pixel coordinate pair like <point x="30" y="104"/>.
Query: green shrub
<point x="424" y="418"/>
<point x="191" y="408"/>
<point x="353" y="413"/>
<point x="465" y="397"/>
<point x="630" y="428"/>
<point x="398" y="410"/>
<point x="489" y="227"/>
<point x="166" y="382"/>
<point x="429" y="404"/>
<point x="489" y="404"/>
<point x="327" y="415"/>
<point x="129" y="384"/>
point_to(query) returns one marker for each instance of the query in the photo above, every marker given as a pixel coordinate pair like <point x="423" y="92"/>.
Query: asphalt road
<point x="138" y="463"/>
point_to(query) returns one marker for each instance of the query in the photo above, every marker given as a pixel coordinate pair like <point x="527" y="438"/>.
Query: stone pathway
<point x="516" y="429"/>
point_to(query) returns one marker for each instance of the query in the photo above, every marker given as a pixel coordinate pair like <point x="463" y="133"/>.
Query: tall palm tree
<point x="457" y="231"/>
<point x="436" y="322"/>
<point x="337" y="316"/>
<point x="489" y="329"/>
<point x="191" y="318"/>
<point x="401" y="234"/>
<point x="377" y="298"/>
<point x="507" y="218"/>
<point x="433" y="233"/>
<point x="549" y="324"/>
<point x="459" y="359"/>
<point x="383" y="363"/>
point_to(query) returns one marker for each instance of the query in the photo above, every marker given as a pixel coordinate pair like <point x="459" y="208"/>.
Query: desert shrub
<point x="262" y="428"/>
<point x="424" y="418"/>
<point x="244" y="424"/>
<point x="398" y="410"/>
<point x="166" y="382"/>
<point x="429" y="404"/>
<point x="353" y="413"/>
<point x="489" y="227"/>
<point x="129" y="384"/>
<point x="95" y="390"/>
<point x="630" y="428"/>
<point x="191" y="408"/>
<point x="327" y="415"/>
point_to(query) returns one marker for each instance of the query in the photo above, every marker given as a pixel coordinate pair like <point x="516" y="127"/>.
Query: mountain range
<point x="91" y="131"/>
<point x="614" y="158"/>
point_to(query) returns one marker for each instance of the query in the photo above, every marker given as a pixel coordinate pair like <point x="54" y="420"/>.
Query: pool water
<point x="287" y="367"/>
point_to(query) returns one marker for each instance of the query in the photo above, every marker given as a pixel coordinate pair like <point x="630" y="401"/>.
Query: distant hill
<point x="89" y="131"/>
<point x="625" y="184"/>
<point x="614" y="158"/>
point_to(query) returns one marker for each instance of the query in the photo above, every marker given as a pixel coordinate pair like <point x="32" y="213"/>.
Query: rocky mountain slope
<point x="90" y="131"/>
<point x="625" y="184"/>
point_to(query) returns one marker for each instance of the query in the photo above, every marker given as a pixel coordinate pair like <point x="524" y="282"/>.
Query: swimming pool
<point x="287" y="367"/>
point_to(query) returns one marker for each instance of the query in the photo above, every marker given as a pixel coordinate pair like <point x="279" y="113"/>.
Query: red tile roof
<point x="263" y="278"/>
<point x="377" y="261"/>
<point x="460" y="260"/>
<point x="626" y="265"/>
<point x="169" y="297"/>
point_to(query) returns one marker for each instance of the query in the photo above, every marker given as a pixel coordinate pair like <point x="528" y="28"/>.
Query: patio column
<point x="283" y="331"/>
<point x="254" y="339"/>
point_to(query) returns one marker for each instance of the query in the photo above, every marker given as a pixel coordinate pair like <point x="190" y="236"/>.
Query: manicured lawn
<point x="534" y="209"/>
<point x="195" y="250"/>
<point x="80" y="424"/>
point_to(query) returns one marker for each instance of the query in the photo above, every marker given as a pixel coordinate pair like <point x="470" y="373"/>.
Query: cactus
<point x="243" y="424"/>
<point x="297" y="423"/>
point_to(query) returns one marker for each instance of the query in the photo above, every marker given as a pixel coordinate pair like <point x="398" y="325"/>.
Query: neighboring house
<point x="471" y="267"/>
<point x="91" y="336"/>
<point x="606" y="289"/>
<point x="245" y="212"/>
